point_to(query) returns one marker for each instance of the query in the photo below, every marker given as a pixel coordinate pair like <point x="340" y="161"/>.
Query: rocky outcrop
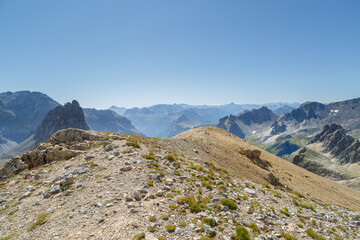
<point x="335" y="141"/>
<point x="59" y="147"/>
<point x="68" y="116"/>
<point x="331" y="154"/>
<point x="72" y="135"/>
<point x="255" y="157"/>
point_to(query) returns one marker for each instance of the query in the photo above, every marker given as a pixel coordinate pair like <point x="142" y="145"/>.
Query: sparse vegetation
<point x="170" y="157"/>
<point x="133" y="144"/>
<point x="139" y="236"/>
<point x="209" y="221"/>
<point x="40" y="220"/>
<point x="288" y="236"/>
<point x="285" y="211"/>
<point x="254" y="228"/>
<point x="170" y="228"/>
<point x="314" y="235"/>
<point x="241" y="234"/>
<point x="148" y="156"/>
<point x="150" y="183"/>
<point x="229" y="203"/>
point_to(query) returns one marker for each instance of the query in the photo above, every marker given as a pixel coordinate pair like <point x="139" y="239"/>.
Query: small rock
<point x="128" y="198"/>
<point x="101" y="220"/>
<point x="67" y="181"/>
<point x="37" y="177"/>
<point x="87" y="158"/>
<point x="137" y="195"/>
<point x="26" y="194"/>
<point x="134" y="210"/>
<point x="54" y="189"/>
<point x="125" y="169"/>
<point x="30" y="188"/>
<point x="149" y="236"/>
<point x="250" y="191"/>
<point x="27" y="176"/>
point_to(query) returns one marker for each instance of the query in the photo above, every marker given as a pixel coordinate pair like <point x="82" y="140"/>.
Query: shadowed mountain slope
<point x="20" y="113"/>
<point x="68" y="116"/>
<point x="108" y="121"/>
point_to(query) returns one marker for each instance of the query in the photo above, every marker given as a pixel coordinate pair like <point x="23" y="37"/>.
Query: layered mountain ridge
<point x="162" y="120"/>
<point x="333" y="154"/>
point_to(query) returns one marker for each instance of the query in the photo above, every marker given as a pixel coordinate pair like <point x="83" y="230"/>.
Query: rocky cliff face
<point x="21" y="112"/>
<point x="336" y="142"/>
<point x="257" y="116"/>
<point x="246" y="124"/>
<point x="332" y="153"/>
<point x="70" y="115"/>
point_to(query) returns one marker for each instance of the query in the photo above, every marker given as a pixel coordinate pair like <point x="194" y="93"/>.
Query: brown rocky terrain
<point x="202" y="184"/>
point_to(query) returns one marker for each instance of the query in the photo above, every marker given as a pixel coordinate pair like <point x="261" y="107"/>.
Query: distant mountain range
<point x="285" y="134"/>
<point x="164" y="120"/>
<point x="319" y="137"/>
<point x="24" y="113"/>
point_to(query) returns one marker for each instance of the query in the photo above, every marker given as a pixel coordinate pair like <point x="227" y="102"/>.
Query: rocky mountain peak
<point x="335" y="141"/>
<point x="259" y="116"/>
<point x="331" y="134"/>
<point x="70" y="115"/>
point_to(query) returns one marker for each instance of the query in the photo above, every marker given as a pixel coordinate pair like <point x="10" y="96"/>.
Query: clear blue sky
<point x="138" y="53"/>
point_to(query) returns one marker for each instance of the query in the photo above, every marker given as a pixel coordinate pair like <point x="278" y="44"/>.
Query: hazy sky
<point x="138" y="53"/>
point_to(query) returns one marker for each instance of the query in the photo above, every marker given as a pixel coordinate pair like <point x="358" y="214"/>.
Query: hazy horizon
<point x="141" y="53"/>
